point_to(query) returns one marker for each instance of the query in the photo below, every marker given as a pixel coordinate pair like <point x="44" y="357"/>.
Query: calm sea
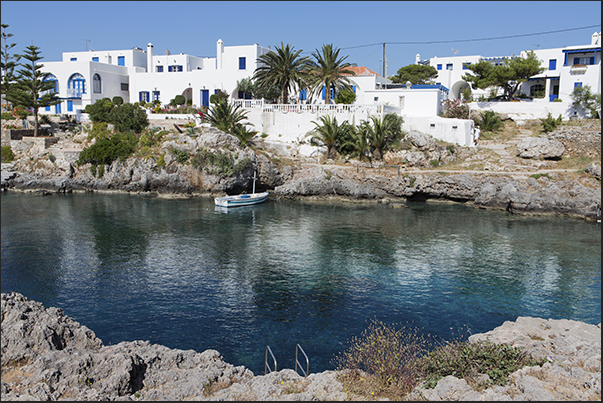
<point x="181" y="274"/>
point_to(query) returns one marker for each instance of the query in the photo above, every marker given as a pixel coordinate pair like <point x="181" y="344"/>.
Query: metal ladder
<point x="298" y="348"/>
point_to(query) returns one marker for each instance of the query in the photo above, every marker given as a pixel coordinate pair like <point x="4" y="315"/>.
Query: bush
<point x="468" y="360"/>
<point x="100" y="110"/>
<point x="106" y="150"/>
<point x="129" y="117"/>
<point x="549" y="124"/>
<point x="180" y="156"/>
<point x="489" y="121"/>
<point x="345" y="96"/>
<point x="456" y="108"/>
<point x="388" y="354"/>
<point x="221" y="164"/>
<point x="178" y="100"/>
<point x="8" y="116"/>
<point x="117" y="100"/>
<point x="7" y="154"/>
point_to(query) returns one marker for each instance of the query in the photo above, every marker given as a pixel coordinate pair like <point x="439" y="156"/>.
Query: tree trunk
<point x="35" y="123"/>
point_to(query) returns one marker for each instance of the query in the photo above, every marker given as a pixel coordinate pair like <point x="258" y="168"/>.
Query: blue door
<point x="69" y="106"/>
<point x="205" y="98"/>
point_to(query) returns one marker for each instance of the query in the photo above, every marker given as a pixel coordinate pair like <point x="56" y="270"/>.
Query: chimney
<point x="219" y="53"/>
<point x="149" y="57"/>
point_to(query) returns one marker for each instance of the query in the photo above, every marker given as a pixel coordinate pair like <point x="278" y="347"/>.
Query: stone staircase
<point x="507" y="160"/>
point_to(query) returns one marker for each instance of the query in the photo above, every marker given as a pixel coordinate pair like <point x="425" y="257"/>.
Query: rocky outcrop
<point x="226" y="168"/>
<point x="48" y="356"/>
<point x="545" y="195"/>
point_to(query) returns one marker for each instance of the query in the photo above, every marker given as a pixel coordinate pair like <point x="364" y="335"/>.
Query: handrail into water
<point x="267" y="369"/>
<point x="307" y="371"/>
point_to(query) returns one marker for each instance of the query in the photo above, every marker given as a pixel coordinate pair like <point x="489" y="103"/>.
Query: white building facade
<point x="566" y="68"/>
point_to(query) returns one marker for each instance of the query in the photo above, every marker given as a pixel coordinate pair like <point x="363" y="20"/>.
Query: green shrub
<point x="7" y="154"/>
<point x="180" y="156"/>
<point x="220" y="163"/>
<point x="538" y="176"/>
<point x="466" y="360"/>
<point x="101" y="171"/>
<point x="100" y="130"/>
<point x="129" y="118"/>
<point x="100" y="110"/>
<point x="549" y="124"/>
<point x="450" y="149"/>
<point x="489" y="121"/>
<point x="106" y="150"/>
<point x="117" y="100"/>
<point x="8" y="116"/>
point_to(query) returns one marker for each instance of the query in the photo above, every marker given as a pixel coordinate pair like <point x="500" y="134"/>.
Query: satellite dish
<point x="167" y="52"/>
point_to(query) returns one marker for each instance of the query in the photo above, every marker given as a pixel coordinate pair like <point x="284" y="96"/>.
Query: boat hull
<point x="241" y="200"/>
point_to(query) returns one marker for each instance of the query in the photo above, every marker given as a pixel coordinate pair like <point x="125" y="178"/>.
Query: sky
<point x="358" y="28"/>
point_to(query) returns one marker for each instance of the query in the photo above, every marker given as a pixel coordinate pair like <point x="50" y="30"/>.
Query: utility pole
<point x="86" y="40"/>
<point x="384" y="60"/>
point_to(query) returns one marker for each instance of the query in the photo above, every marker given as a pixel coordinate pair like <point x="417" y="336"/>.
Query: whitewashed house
<point x="83" y="77"/>
<point x="567" y="68"/>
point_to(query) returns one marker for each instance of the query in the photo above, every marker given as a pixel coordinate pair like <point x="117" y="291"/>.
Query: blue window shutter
<point x="439" y="67"/>
<point x="302" y="95"/>
<point x="323" y="92"/>
<point x="354" y="88"/>
<point x="577" y="85"/>
<point x="576" y="60"/>
<point x="553" y="64"/>
<point x="592" y="60"/>
<point x="121" y="60"/>
<point x="74" y="59"/>
<point x="48" y="108"/>
<point x="95" y="59"/>
<point x="70" y="106"/>
<point x="242" y="63"/>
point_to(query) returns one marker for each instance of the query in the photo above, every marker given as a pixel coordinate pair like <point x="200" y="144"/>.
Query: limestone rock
<point x="540" y="147"/>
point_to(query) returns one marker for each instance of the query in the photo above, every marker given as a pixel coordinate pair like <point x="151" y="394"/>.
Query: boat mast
<point x="253" y="182"/>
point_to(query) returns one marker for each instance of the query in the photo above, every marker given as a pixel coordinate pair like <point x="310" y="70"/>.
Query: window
<point x="54" y="80"/>
<point x="449" y="66"/>
<point x="466" y="66"/>
<point x="69" y="106"/>
<point x="577" y="85"/>
<point x="537" y="90"/>
<point x="439" y="67"/>
<point x="376" y="99"/>
<point x="159" y="69"/>
<point x="76" y="86"/>
<point x="354" y="88"/>
<point x="121" y="60"/>
<point x="174" y="68"/>
<point x="332" y="93"/>
<point x="553" y="64"/>
<point x="584" y="60"/>
<point x="302" y="95"/>
<point x="125" y="87"/>
<point x="242" y="63"/>
<point x="143" y="96"/>
<point x="155" y="95"/>
<point x="95" y="59"/>
<point x="96" y="83"/>
<point x="74" y="59"/>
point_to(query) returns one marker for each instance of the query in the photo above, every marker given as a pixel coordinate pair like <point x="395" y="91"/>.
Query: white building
<point x="82" y="78"/>
<point x="567" y="68"/>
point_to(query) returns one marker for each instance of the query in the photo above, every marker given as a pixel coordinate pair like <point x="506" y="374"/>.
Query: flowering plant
<point x="456" y="108"/>
<point x="21" y="113"/>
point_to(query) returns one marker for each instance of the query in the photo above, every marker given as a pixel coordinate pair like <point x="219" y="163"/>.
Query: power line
<point x="473" y="40"/>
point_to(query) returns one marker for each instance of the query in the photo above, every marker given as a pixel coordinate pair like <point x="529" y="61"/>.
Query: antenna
<point x="86" y="40"/>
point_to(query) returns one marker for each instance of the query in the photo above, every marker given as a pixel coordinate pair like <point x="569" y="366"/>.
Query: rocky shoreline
<point x="48" y="356"/>
<point x="402" y="176"/>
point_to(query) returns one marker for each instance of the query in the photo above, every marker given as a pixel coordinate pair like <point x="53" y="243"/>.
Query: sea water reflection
<point x="181" y="274"/>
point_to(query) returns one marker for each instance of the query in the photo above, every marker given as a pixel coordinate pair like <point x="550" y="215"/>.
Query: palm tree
<point x="329" y="71"/>
<point x="358" y="143"/>
<point x="328" y="132"/>
<point x="382" y="133"/>
<point x="244" y="134"/>
<point x="283" y="68"/>
<point x="224" y="116"/>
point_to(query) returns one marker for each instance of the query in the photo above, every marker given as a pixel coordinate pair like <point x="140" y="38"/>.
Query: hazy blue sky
<point x="359" y="28"/>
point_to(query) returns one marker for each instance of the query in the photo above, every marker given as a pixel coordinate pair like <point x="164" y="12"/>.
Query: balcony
<point x="578" y="69"/>
<point x="74" y="93"/>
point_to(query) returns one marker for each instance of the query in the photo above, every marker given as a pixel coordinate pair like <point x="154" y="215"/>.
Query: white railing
<point x="312" y="108"/>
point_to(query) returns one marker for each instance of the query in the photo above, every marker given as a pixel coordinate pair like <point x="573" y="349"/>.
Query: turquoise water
<point x="179" y="273"/>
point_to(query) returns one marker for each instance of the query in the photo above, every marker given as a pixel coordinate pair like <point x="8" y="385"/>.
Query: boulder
<point x="540" y="147"/>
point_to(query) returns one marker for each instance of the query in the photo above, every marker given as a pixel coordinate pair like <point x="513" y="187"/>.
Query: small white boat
<point x="242" y="199"/>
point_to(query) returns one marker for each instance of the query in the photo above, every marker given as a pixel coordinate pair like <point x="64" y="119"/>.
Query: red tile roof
<point x="362" y="71"/>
